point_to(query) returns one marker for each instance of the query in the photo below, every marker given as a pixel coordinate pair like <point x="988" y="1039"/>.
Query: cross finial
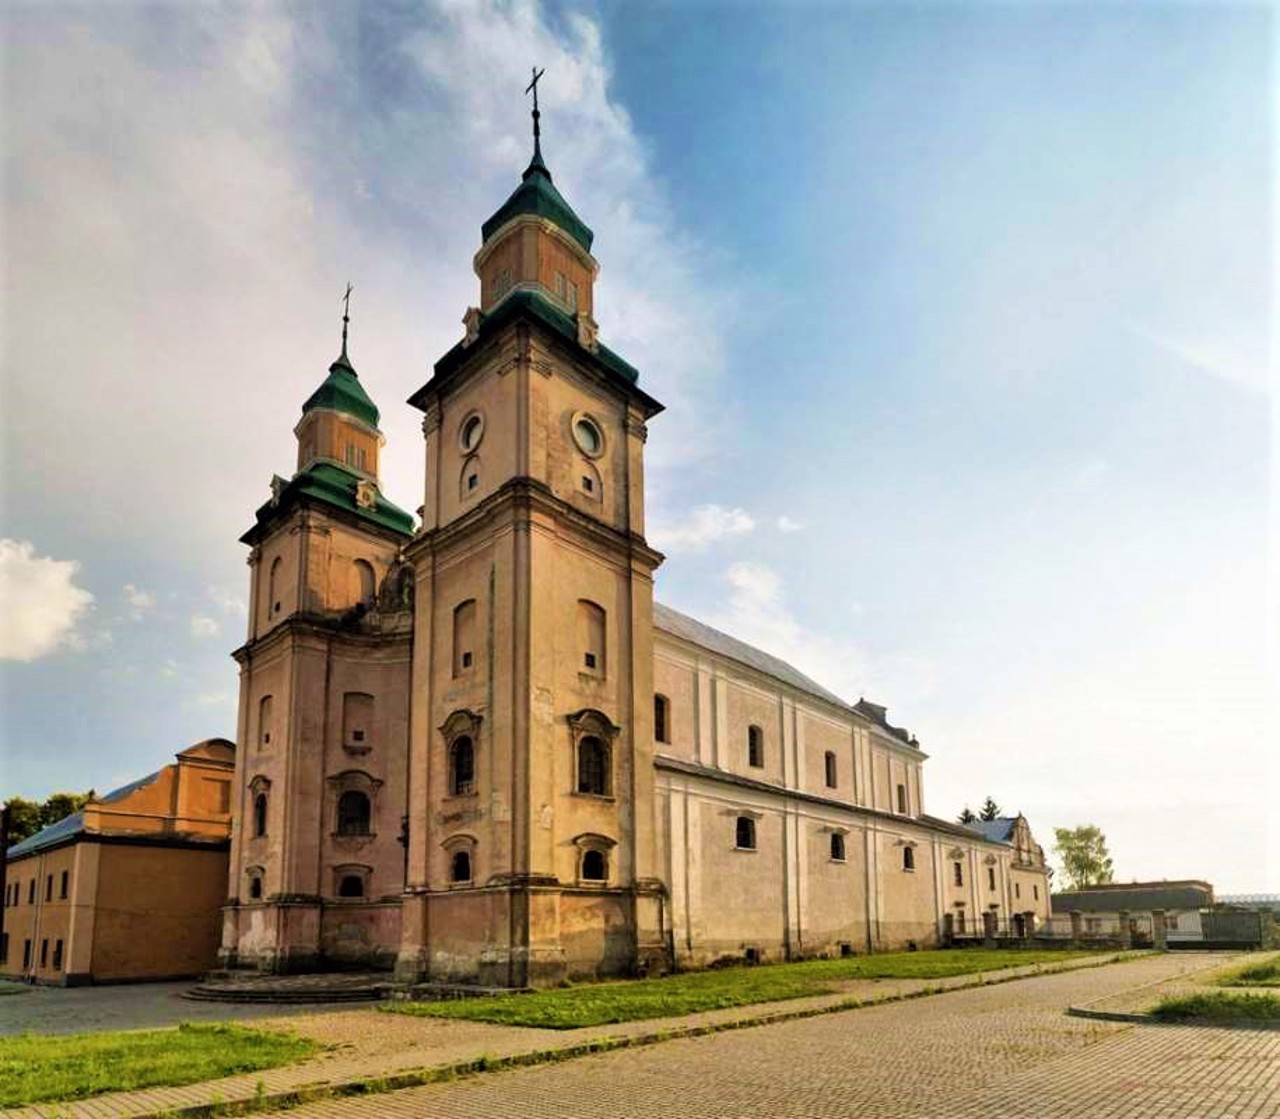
<point x="537" y="131"/>
<point x="346" y="317"/>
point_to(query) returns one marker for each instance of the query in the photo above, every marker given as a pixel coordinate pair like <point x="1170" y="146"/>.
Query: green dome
<point x="536" y="194"/>
<point x="341" y="392"/>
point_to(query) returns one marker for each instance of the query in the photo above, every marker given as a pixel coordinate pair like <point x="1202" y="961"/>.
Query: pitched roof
<point x="74" y="824"/>
<point x="1136" y="895"/>
<point x="999" y="830"/>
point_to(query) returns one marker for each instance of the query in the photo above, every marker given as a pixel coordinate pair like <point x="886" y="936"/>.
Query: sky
<point x="962" y="315"/>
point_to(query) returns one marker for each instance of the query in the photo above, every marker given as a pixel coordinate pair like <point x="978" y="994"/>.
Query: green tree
<point x="990" y="810"/>
<point x="24" y="818"/>
<point x="60" y="805"/>
<point x="1084" y="856"/>
<point x="967" y="816"/>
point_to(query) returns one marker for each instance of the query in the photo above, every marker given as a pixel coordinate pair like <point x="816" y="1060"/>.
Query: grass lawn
<point x="1219" y="1006"/>
<point x="597" y="1004"/>
<point x="1265" y="974"/>
<point x="35" y="1069"/>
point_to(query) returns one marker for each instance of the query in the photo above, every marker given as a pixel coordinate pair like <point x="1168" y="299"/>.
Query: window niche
<point x="829" y="769"/>
<point x="908" y="855"/>
<point x="593" y="735"/>
<point x="464" y="637"/>
<point x="902" y="800"/>
<point x="661" y="718"/>
<point x="461" y="733"/>
<point x="364" y="585"/>
<point x="357" y="722"/>
<point x="260" y="792"/>
<point x="351" y="881"/>
<point x="590" y="630"/>
<point x="593" y="858"/>
<point x="266" y="706"/>
<point x="274" y="587"/>
<point x="254" y="878"/>
<point x="354" y="794"/>
<point x="838" y="845"/>
<point x="755" y="747"/>
<point x="460" y="860"/>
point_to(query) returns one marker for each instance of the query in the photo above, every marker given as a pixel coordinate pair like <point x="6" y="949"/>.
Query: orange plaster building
<point x="128" y="888"/>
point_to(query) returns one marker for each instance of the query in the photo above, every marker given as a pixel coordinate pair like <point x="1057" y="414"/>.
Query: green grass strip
<point x="599" y="1004"/>
<point x="35" y="1069"/>
<point x="1266" y="974"/>
<point x="1218" y="1006"/>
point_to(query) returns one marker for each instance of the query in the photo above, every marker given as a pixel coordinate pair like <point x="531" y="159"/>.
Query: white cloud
<point x="227" y="602"/>
<point x="1218" y="357"/>
<point x="40" y="603"/>
<point x="169" y="670"/>
<point x="139" y="602"/>
<point x="703" y="526"/>
<point x="203" y="626"/>
<point x="787" y="524"/>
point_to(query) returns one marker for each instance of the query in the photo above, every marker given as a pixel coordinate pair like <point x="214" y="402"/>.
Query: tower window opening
<point x="755" y="747"/>
<point x="661" y="715"/>
<point x="902" y="799"/>
<point x="260" y="814"/>
<point x="595" y="867"/>
<point x="473" y="480"/>
<point x="837" y="847"/>
<point x="957" y="873"/>
<point x="462" y="767"/>
<point x="354" y="813"/>
<point x="255" y="888"/>
<point x="351" y="886"/>
<point x="744" y="838"/>
<point x="593" y="767"/>
<point x="908" y="858"/>
<point x="460" y="867"/>
<point x="829" y="768"/>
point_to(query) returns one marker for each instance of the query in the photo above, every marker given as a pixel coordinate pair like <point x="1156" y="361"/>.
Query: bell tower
<point x="532" y="853"/>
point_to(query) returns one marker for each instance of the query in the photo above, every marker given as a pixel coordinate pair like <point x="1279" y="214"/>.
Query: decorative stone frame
<point x="461" y="722"/>
<point x="460" y="841"/>
<point x="587" y="417"/>
<point x="358" y="781"/>
<point x="590" y="723"/>
<point x="347" y="870"/>
<point x="601" y="844"/>
<point x="465" y="447"/>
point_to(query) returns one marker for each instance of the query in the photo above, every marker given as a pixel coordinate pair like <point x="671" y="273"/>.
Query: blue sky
<point x="962" y="314"/>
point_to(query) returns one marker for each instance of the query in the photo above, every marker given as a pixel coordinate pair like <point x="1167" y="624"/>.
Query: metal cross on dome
<point x="533" y="86"/>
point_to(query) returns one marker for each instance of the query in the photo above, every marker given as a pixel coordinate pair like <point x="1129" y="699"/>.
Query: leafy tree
<point x="990" y="810"/>
<point x="1084" y="856"/>
<point x="26" y="817"/>
<point x="967" y="816"/>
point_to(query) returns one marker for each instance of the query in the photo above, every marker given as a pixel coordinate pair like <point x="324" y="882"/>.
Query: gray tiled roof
<point x="699" y="633"/>
<point x="690" y="629"/>
<point x="999" y="830"/>
<point x="1139" y="895"/>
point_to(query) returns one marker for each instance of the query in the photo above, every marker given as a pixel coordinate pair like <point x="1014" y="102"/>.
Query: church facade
<point x="473" y="748"/>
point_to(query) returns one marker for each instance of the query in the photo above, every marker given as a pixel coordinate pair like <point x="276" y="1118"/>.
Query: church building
<point x="473" y="748"/>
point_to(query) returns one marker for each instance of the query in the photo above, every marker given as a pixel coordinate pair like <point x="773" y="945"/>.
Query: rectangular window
<point x="1036" y="891"/>
<point x="589" y="659"/>
<point x="48" y="888"/>
<point x="4" y="948"/>
<point x="588" y="484"/>
<point x="57" y="955"/>
<point x="44" y="953"/>
<point x="902" y="799"/>
<point x="829" y="765"/>
<point x="31" y="892"/>
<point x="466" y="660"/>
<point x="991" y="878"/>
<point x="63" y="891"/>
<point x="1017" y="890"/>
<point x="26" y="954"/>
<point x="957" y="873"/>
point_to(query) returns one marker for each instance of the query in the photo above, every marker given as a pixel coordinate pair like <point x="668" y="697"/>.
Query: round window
<point x="471" y="431"/>
<point x="587" y="435"/>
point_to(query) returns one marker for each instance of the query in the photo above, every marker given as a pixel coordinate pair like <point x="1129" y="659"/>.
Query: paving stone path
<point x="1005" y="1050"/>
<point x="919" y="1057"/>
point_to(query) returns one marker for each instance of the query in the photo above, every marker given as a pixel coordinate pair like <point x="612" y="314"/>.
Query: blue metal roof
<point x="74" y="824"/>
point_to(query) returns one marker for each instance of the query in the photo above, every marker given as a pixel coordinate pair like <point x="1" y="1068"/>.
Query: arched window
<point x="829" y="766"/>
<point x="591" y="638"/>
<point x="837" y="846"/>
<point x="593" y="766"/>
<point x="464" y="636"/>
<point x="661" y="713"/>
<point x="460" y="866"/>
<point x="595" y="866"/>
<point x="353" y="813"/>
<point x="363" y="586"/>
<point x="908" y="858"/>
<point x="745" y="837"/>
<point x="255" y="887"/>
<point x="274" y="588"/>
<point x="264" y="721"/>
<point x="351" y="886"/>
<point x="260" y="814"/>
<point x="462" y="767"/>
<point x="755" y="747"/>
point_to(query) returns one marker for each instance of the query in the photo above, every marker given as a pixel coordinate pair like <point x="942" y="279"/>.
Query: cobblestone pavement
<point x="126" y="1006"/>
<point x="1004" y="1050"/>
<point x="1140" y="1000"/>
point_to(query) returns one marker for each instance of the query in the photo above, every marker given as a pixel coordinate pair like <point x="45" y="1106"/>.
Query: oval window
<point x="587" y="436"/>
<point x="472" y="429"/>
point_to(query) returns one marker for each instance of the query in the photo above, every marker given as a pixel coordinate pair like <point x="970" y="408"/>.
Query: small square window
<point x="466" y="660"/>
<point x="357" y="736"/>
<point x="588" y="484"/>
<point x="266" y="737"/>
<point x="589" y="659"/>
<point x="473" y="480"/>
